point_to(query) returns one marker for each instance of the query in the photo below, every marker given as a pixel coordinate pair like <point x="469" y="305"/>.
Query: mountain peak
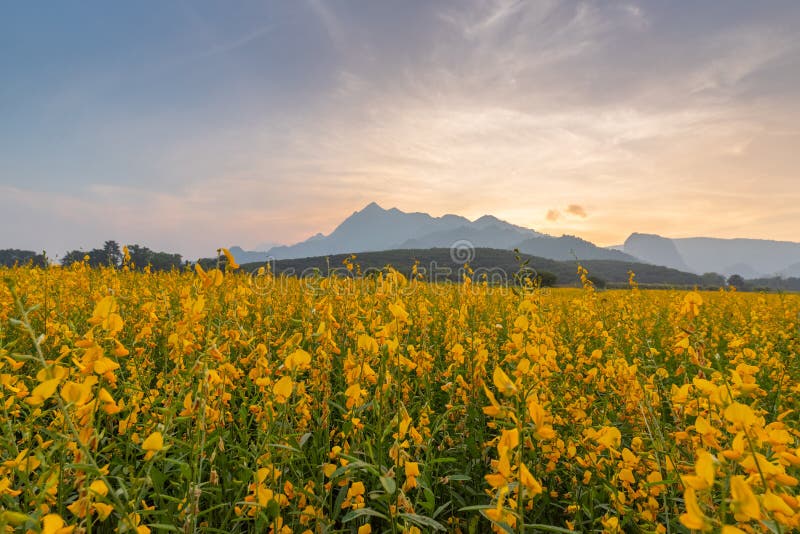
<point x="372" y="207"/>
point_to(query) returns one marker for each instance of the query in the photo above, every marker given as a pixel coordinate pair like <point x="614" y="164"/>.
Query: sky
<point x="190" y="125"/>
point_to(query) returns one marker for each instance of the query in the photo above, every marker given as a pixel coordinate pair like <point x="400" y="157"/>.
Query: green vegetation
<point x="12" y="256"/>
<point x="139" y="257"/>
<point x="439" y="266"/>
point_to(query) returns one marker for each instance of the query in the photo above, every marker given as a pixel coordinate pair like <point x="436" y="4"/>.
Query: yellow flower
<point x="745" y="504"/>
<point x="328" y="470"/>
<point x="103" y="510"/>
<point x="411" y="469"/>
<point x="503" y="382"/>
<point x="694" y="517"/>
<point x="740" y="414"/>
<point x="105" y="364"/>
<point x="705" y="472"/>
<point x="283" y="389"/>
<point x="153" y="444"/>
<point x="494" y="410"/>
<point x="411" y="472"/>
<point x="367" y="344"/>
<point x="355" y="496"/>
<point x="299" y="359"/>
<point x="54" y="524"/>
<point x="526" y="479"/>
<point x="774" y="503"/>
<point x="543" y="431"/>
<point x="42" y="392"/>
<point x="5" y="488"/>
<point x="356" y="489"/>
<point x="509" y="439"/>
<point x="232" y="265"/>
<point x="105" y="314"/>
<point x="355" y="395"/>
<point x="399" y="312"/>
<point x="609" y="436"/>
<point x="73" y="392"/>
<point x="98" y="487"/>
<point x="610" y="524"/>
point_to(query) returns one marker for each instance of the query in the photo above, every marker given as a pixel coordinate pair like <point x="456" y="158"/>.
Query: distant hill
<point x="654" y="249"/>
<point x="247" y="256"/>
<point x="792" y="271"/>
<point x="376" y="229"/>
<point x="569" y="247"/>
<point x="751" y="258"/>
<point x="490" y="261"/>
<point x="493" y="235"/>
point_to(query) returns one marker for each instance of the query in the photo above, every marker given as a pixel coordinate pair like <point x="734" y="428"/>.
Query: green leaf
<point x="549" y="528"/>
<point x="159" y="527"/>
<point x="441" y="509"/>
<point x="389" y="485"/>
<point x="505" y="526"/>
<point x="280" y="446"/>
<point x="476" y="507"/>
<point x="273" y="509"/>
<point x="360" y="512"/>
<point x="422" y="521"/>
<point x="443" y="460"/>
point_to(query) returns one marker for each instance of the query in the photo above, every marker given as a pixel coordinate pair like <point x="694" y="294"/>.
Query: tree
<point x="141" y="257"/>
<point x="599" y="283"/>
<point x="736" y="280"/>
<point x="11" y="256"/>
<point x="112" y="254"/>
<point x="73" y="256"/>
<point x="712" y="280"/>
<point x="547" y="279"/>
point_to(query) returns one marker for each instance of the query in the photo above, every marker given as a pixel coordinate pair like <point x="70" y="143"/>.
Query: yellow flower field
<point x="212" y="401"/>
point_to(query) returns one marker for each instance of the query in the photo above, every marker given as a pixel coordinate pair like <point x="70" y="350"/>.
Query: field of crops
<point x="212" y="401"/>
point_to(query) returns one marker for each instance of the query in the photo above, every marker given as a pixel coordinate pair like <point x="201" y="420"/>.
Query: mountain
<point x="760" y="255"/>
<point x="568" y="247"/>
<point x="501" y="236"/>
<point x="792" y="271"/>
<point x="246" y="256"/>
<point x="267" y="245"/>
<point x="375" y="228"/>
<point x="654" y="249"/>
<point x="751" y="258"/>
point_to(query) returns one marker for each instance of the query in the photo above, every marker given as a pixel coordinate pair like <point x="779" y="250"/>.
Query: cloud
<point x="296" y="116"/>
<point x="576" y="210"/>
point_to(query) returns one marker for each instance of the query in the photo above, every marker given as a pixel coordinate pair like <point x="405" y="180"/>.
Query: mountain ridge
<point x="751" y="258"/>
<point x="374" y="228"/>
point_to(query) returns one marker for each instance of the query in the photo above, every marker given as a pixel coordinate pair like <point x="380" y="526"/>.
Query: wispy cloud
<point x="553" y="215"/>
<point x="330" y="23"/>
<point x="576" y="210"/>
<point x="231" y="45"/>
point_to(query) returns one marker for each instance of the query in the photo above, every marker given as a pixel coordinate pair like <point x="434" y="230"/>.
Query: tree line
<point x="111" y="254"/>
